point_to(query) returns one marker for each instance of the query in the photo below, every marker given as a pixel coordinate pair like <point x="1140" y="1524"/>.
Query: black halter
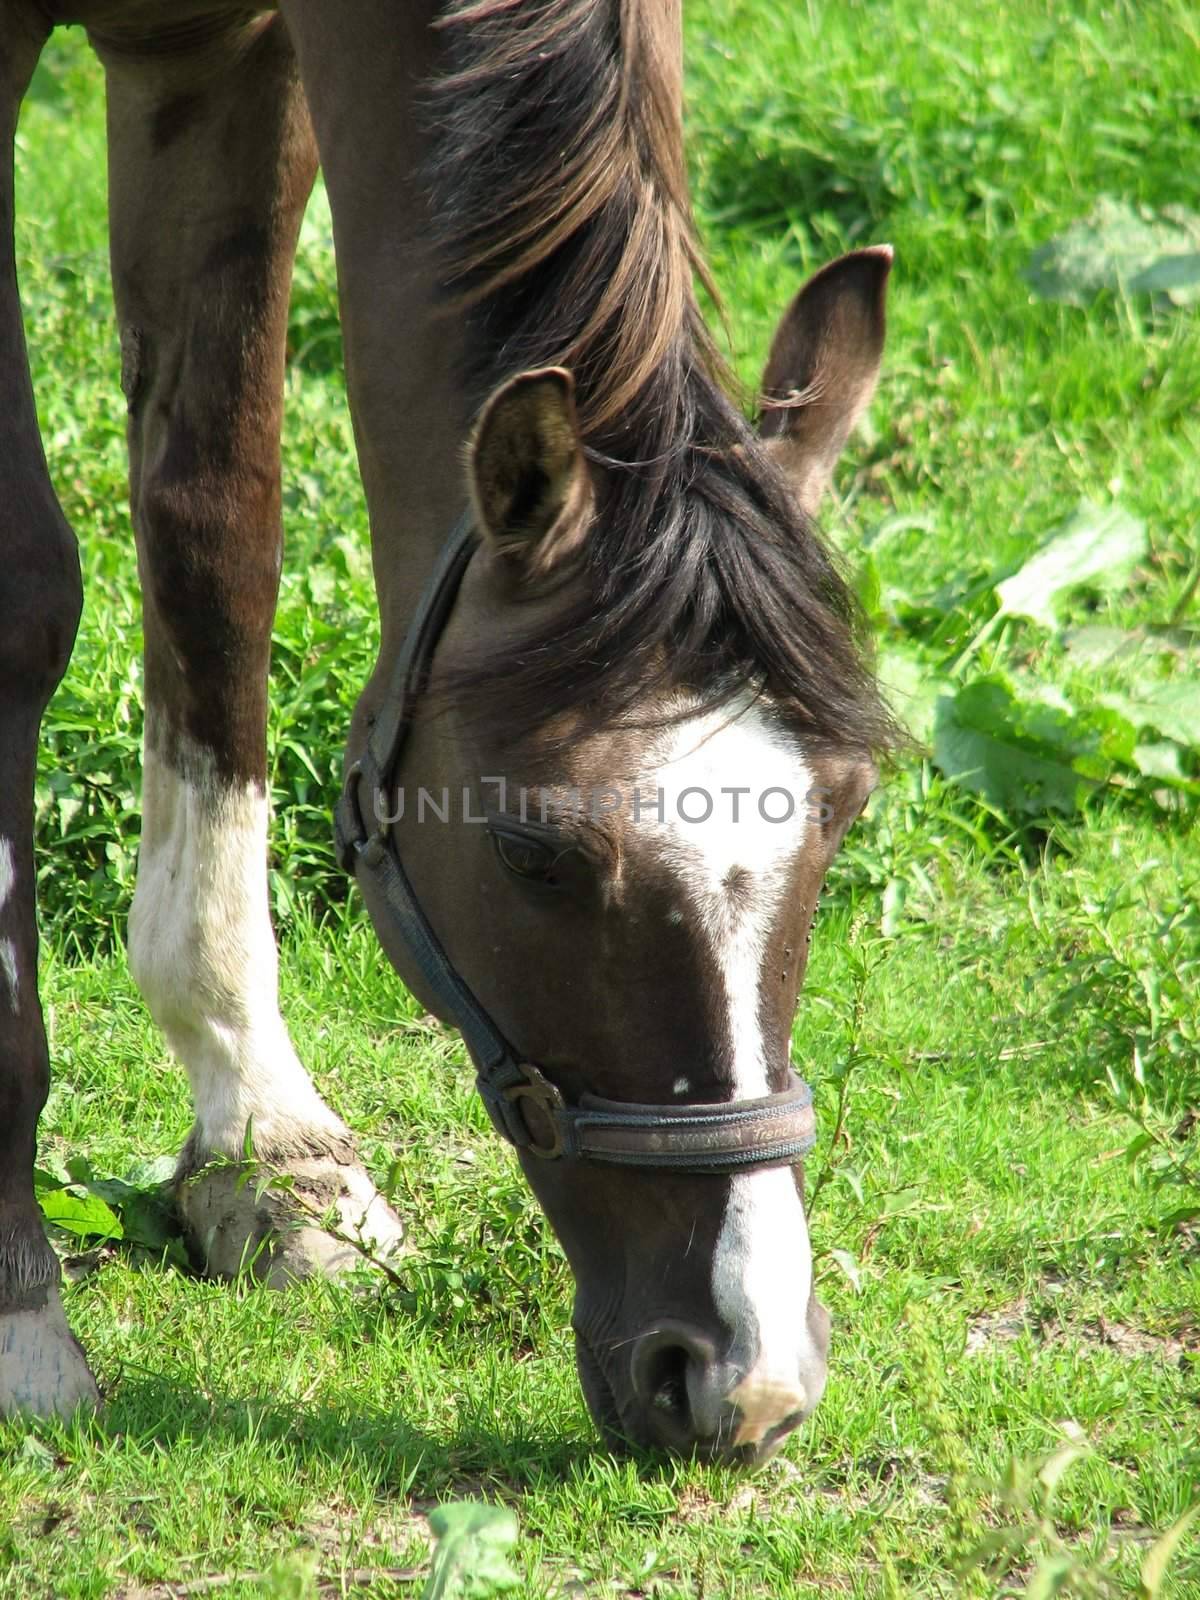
<point x="525" y="1107"/>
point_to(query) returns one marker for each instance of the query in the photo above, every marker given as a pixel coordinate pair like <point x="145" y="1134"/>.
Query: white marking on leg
<point x="8" y="950"/>
<point x="202" y="950"/>
<point x="733" y="871"/>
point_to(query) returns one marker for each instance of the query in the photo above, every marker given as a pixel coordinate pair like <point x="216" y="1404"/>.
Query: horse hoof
<point x="43" y="1370"/>
<point x="306" y="1217"/>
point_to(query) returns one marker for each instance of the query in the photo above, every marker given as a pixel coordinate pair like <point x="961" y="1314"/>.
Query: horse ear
<point x="823" y="367"/>
<point x="529" y="480"/>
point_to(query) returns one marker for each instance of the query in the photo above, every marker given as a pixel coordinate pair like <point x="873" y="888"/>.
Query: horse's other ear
<point x="529" y="480"/>
<point x="823" y="367"/>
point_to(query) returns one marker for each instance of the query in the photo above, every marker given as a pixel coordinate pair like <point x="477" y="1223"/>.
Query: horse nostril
<point x="667" y="1383"/>
<point x="687" y="1398"/>
<point x="674" y="1371"/>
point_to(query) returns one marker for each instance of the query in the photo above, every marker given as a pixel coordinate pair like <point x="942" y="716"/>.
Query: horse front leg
<point x="211" y="163"/>
<point x="42" y="1368"/>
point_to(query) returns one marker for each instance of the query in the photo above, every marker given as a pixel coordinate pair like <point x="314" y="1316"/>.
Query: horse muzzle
<point x="677" y="1394"/>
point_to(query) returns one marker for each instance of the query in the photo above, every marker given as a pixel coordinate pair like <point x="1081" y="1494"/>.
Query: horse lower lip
<point x="597" y="1390"/>
<point x="774" y="1437"/>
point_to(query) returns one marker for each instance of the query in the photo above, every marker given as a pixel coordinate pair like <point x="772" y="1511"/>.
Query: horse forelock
<point x="566" y="239"/>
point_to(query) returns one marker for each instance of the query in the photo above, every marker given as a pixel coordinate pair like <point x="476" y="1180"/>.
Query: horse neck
<point x="402" y="349"/>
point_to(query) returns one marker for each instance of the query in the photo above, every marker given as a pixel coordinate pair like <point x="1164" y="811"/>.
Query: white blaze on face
<point x="762" y="1269"/>
<point x="8" y="950"/>
<point x="732" y="877"/>
<point x="202" y="950"/>
<point x="723" y="776"/>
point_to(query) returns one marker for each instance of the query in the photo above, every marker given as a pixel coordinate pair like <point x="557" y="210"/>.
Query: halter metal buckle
<point x="541" y="1093"/>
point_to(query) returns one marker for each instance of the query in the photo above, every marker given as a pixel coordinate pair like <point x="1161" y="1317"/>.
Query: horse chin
<point x="598" y="1393"/>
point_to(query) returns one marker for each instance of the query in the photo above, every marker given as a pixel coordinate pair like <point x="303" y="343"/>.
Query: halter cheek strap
<point x="524" y="1106"/>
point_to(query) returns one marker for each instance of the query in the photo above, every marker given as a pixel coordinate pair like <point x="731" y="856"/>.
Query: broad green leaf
<point x="912" y="688"/>
<point x="1159" y="760"/>
<point x="1177" y="276"/>
<point x="1171" y="708"/>
<point x="1012" y="777"/>
<point x="1096" y="546"/>
<point x="1096" y="644"/>
<point x="1158" y="1558"/>
<point x="1123" y="248"/>
<point x="113" y="1190"/>
<point x="146" y="1211"/>
<point x="149" y="1219"/>
<point x="1024" y="755"/>
<point x="86" y="1215"/>
<point x="151" y="1174"/>
<point x="139" y="1214"/>
<point x="471" y="1559"/>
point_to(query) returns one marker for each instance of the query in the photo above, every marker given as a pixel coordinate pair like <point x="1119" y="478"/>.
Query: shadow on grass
<point x="401" y="1459"/>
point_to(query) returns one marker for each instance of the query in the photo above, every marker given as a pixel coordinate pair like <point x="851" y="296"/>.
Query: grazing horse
<point x="610" y="637"/>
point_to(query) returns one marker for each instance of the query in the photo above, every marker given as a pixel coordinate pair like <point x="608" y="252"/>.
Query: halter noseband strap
<point x="525" y="1107"/>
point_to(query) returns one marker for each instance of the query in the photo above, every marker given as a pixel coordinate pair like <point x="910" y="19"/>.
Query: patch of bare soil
<point x="1007" y="1323"/>
<point x="997" y="1327"/>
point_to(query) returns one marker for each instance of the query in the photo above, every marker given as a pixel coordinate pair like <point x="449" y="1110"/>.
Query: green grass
<point x="1007" y="1202"/>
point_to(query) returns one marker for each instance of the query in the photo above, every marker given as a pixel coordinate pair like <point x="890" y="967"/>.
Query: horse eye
<point x="525" y="858"/>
